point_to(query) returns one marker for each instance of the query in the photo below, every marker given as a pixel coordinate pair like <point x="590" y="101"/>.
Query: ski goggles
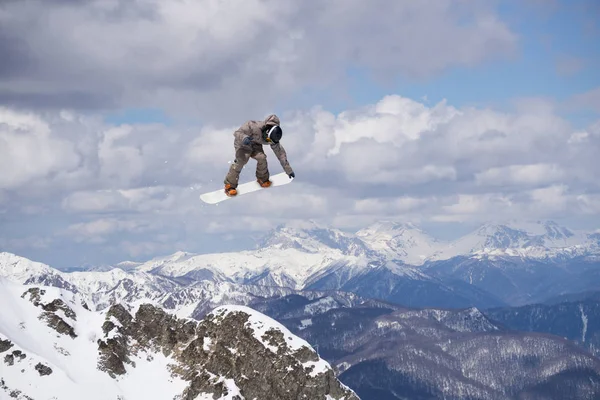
<point x="274" y="134"/>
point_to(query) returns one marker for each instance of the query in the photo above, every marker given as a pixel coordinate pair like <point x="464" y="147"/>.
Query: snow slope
<point x="72" y="360"/>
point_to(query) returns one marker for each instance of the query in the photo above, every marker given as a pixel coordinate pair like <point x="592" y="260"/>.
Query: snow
<point x="538" y="240"/>
<point x="206" y="344"/>
<point x="404" y="242"/>
<point x="20" y="269"/>
<point x="232" y="391"/>
<point x="584" y="321"/>
<point x="321" y="306"/>
<point x="305" y="323"/>
<point x="74" y="375"/>
<point x="237" y="266"/>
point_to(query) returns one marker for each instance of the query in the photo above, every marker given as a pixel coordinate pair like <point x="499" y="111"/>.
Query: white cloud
<point x="155" y="198"/>
<point x="550" y="199"/>
<point x="589" y="204"/>
<point x="232" y="58"/>
<point x="530" y="175"/>
<point x="408" y="161"/>
<point x="399" y="144"/>
<point x="393" y="120"/>
<point x="98" y="230"/>
<point x="146" y="248"/>
<point x="27" y="243"/>
<point x="30" y="151"/>
<point x="102" y="200"/>
<point x="379" y="206"/>
<point x="242" y="224"/>
<point x="211" y="147"/>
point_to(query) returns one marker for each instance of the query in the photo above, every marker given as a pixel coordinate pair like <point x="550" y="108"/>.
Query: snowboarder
<point x="248" y="142"/>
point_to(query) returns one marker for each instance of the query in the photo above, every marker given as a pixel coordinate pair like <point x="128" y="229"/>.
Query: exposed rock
<point x="114" y="354"/>
<point x="5" y="345"/>
<point x="120" y="314"/>
<point x="50" y="315"/>
<point x="58" y="304"/>
<point x="43" y="369"/>
<point x="34" y="295"/>
<point x="58" y="324"/>
<point x="218" y="353"/>
<point x="19" y="354"/>
<point x="16" y="355"/>
<point x="154" y="328"/>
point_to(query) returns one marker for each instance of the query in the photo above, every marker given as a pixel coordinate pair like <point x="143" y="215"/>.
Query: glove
<point x="292" y="175"/>
<point x="247" y="140"/>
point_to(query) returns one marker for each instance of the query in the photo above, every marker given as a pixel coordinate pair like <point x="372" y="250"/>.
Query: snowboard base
<point x="218" y="196"/>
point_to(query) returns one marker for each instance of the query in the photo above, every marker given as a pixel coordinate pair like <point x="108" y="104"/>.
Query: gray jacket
<point x="253" y="129"/>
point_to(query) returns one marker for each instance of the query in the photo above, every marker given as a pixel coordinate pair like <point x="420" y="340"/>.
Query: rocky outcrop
<point x="52" y="312"/>
<point x="16" y="355"/>
<point x="5" y="345"/>
<point x="43" y="369"/>
<point x="234" y="350"/>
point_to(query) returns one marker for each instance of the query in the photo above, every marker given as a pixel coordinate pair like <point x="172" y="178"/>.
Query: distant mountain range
<point x="495" y="266"/>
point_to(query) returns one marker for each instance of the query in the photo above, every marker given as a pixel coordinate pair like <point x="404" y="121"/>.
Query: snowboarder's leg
<point x="262" y="168"/>
<point x="232" y="178"/>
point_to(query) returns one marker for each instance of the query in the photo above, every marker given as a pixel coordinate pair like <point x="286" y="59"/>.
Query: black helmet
<point x="274" y="134"/>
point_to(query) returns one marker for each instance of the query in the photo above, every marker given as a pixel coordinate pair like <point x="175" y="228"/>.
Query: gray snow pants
<point x="242" y="156"/>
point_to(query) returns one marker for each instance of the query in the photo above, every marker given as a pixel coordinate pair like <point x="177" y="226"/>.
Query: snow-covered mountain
<point x="483" y="269"/>
<point x="539" y="240"/>
<point x="54" y="346"/>
<point x="400" y="242"/>
<point x="312" y="237"/>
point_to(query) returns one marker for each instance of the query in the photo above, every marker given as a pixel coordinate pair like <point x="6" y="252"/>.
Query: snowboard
<point x="219" y="195"/>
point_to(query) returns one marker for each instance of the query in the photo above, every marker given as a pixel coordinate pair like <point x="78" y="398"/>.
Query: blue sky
<point x="109" y="150"/>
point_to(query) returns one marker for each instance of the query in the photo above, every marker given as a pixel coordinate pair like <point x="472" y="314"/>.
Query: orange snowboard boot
<point x="264" y="184"/>
<point x="229" y="191"/>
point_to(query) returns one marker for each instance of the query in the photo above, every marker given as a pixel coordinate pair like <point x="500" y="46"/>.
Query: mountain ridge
<point x="309" y="256"/>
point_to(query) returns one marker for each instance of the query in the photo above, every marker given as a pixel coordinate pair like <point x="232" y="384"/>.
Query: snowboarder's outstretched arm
<point x="282" y="157"/>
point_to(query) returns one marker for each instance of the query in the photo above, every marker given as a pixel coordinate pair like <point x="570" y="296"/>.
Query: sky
<point x="116" y="115"/>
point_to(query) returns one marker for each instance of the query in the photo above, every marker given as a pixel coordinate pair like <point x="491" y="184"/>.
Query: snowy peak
<point x="500" y="237"/>
<point x="21" y="269"/>
<point x="25" y="271"/>
<point x="311" y="237"/>
<point x="399" y="241"/>
<point x="557" y="232"/>
<point x="540" y="240"/>
<point x="547" y="234"/>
